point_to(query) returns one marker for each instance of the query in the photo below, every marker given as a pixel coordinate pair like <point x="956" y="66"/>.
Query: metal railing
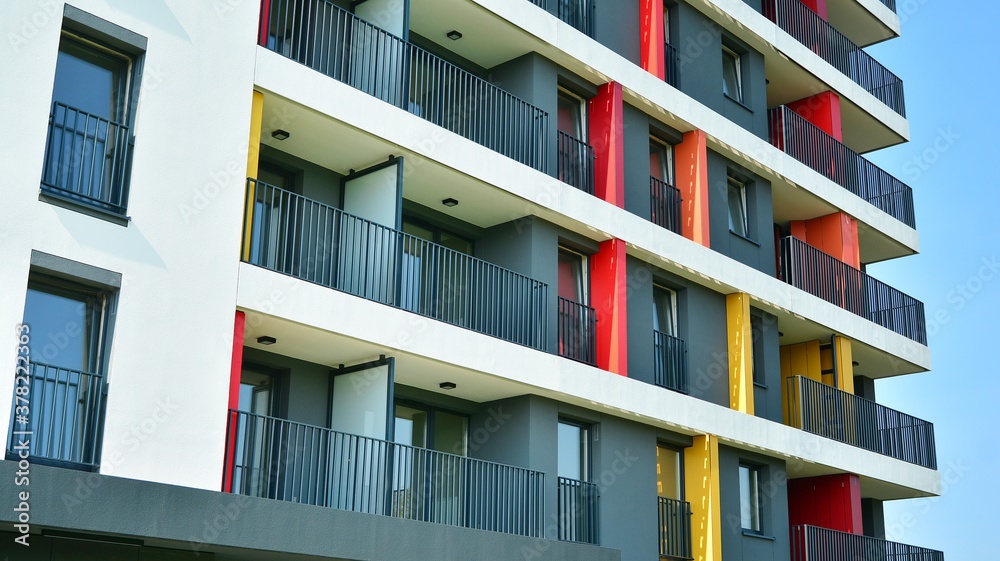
<point x="60" y="418"/>
<point x="331" y="40"/>
<point x="296" y="462"/>
<point x="807" y="143"/>
<point x="834" y="47"/>
<point x="891" y="4"/>
<point x="665" y="203"/>
<point x="811" y="543"/>
<point x="576" y="163"/>
<point x="827" y="411"/>
<point x="671" y="65"/>
<point x="577" y="331"/>
<point x="820" y="274"/>
<point x="674" y="519"/>
<point x="319" y="243"/>
<point x="577" y="511"/>
<point x="670" y="362"/>
<point x="87" y="159"/>
<point x="578" y="13"/>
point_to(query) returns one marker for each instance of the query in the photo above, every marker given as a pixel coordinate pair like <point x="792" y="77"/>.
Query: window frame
<point x="681" y="476"/>
<point x="674" y="320"/>
<point x="755" y="497"/>
<point x="580" y="113"/>
<point x="86" y="33"/>
<point x="586" y="455"/>
<point x="668" y="154"/>
<point x="729" y="53"/>
<point x="584" y="280"/>
<point x="741" y="185"/>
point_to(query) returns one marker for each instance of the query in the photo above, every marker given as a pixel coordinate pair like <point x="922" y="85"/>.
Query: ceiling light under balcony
<point x="280" y="134"/>
<point x="454" y="35"/>
<point x="447" y="385"/>
<point x="266" y="340"/>
<point x="449" y="202"/>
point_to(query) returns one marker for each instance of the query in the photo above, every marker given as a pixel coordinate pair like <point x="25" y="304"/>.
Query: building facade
<point x="389" y="279"/>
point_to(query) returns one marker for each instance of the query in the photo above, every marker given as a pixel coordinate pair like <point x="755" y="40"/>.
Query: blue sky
<point x="942" y="59"/>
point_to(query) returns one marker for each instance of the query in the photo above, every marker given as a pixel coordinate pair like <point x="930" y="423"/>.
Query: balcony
<point x="671" y="65"/>
<point x="834" y="47"/>
<point x="810" y="543"/>
<point x="820" y="274"/>
<point x="807" y="143"/>
<point x="674" y="520"/>
<point x="827" y="411"/>
<point x="577" y="329"/>
<point x="318" y="243"/>
<point x="331" y="40"/>
<point x="87" y="160"/>
<point x="58" y="421"/>
<point x="577" y="511"/>
<point x="576" y="163"/>
<point x="670" y="362"/>
<point x="665" y="204"/>
<point x="288" y="461"/>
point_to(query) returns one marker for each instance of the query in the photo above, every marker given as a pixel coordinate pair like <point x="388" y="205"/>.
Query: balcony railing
<point x="576" y="163"/>
<point x="811" y="543"/>
<point x="674" y="519"/>
<point x="670" y="362"/>
<point x="825" y="276"/>
<point x="834" y="47"/>
<point x="331" y="40"/>
<point x="577" y="330"/>
<point x="665" y="204"/>
<point x="577" y="511"/>
<point x="891" y="4"/>
<point x="827" y="411"/>
<point x="671" y="65"/>
<point x="306" y="239"/>
<point x="284" y="460"/>
<point x="809" y="144"/>
<point x="87" y="159"/>
<point x="60" y="418"/>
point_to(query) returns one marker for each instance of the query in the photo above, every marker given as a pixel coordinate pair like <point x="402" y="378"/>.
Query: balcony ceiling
<point x="340" y="147"/>
<point x="486" y="39"/>
<point x="857" y="23"/>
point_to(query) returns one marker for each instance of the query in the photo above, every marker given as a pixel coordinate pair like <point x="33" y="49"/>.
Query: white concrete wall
<point x="169" y="363"/>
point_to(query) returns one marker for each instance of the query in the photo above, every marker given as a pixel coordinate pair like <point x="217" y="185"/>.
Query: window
<point x="665" y="311"/>
<point x="434" y="429"/>
<point x="669" y="474"/>
<point x="751" y="509"/>
<point x="572" y="115"/>
<point x="68" y="325"/>
<point x="88" y="150"/>
<point x="738" y="219"/>
<point x="573" y="276"/>
<point x="666" y="24"/>
<point x="574" y="450"/>
<point x="661" y="160"/>
<point x="732" y="74"/>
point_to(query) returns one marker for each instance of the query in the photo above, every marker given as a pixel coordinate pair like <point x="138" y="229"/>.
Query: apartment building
<point x="454" y="279"/>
